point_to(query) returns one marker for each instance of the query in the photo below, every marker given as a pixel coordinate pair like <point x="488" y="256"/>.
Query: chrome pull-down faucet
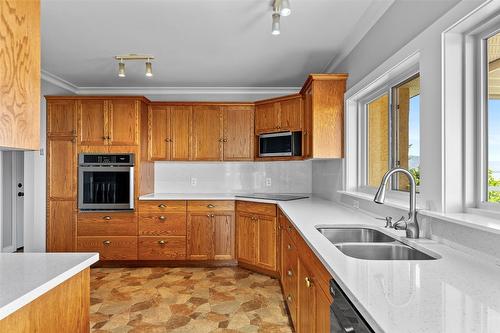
<point x="410" y="224"/>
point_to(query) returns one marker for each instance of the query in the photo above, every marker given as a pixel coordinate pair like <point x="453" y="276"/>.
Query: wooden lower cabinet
<point x="257" y="235"/>
<point x="61" y="222"/>
<point x="107" y="224"/>
<point x="210" y="235"/>
<point x="109" y="247"/>
<point x="162" y="248"/>
<point x="162" y="224"/>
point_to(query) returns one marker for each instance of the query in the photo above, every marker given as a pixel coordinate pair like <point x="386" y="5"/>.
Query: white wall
<point x="233" y="177"/>
<point x="35" y="181"/>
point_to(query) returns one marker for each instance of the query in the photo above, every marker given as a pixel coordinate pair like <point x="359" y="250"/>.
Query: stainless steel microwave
<point x="280" y="144"/>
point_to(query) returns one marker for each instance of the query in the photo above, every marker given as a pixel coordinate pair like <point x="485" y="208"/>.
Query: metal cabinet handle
<point x="308" y="282"/>
<point x="225" y="140"/>
<point x="162" y="218"/>
<point x="162" y="242"/>
<point x="289" y="272"/>
<point x="106" y="242"/>
<point x="212" y="215"/>
<point x="289" y="298"/>
<point x="107" y="217"/>
<point x="210" y="206"/>
<point x="208" y="215"/>
<point x="162" y="206"/>
<point x="289" y="247"/>
<point x="289" y="228"/>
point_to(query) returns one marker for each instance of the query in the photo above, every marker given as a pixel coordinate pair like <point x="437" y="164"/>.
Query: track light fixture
<point x="280" y="8"/>
<point x="129" y="57"/>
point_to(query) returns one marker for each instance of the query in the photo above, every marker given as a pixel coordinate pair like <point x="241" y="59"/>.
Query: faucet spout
<point x="411" y="225"/>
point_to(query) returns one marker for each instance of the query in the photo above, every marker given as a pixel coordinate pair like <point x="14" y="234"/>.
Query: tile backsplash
<point x="233" y="177"/>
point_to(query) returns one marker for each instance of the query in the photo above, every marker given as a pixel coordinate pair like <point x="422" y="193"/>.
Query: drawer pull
<point x="289" y="228"/>
<point x="162" y="218"/>
<point x="289" y="298"/>
<point x="162" y="242"/>
<point x="106" y="242"/>
<point x="107" y="217"/>
<point x="162" y="206"/>
<point x="308" y="282"/>
<point x="210" y="206"/>
<point x="289" y="272"/>
<point x="289" y="247"/>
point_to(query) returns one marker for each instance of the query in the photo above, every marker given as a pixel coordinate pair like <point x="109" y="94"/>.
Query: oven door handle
<point x="131" y="188"/>
<point x="344" y="324"/>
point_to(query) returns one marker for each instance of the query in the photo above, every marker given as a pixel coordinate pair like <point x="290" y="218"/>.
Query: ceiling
<point x="198" y="43"/>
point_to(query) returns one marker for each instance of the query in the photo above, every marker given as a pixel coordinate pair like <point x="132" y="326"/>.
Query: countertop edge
<point x="30" y="296"/>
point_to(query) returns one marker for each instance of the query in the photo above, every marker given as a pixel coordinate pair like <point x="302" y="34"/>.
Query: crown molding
<point x="365" y="23"/>
<point x="144" y="91"/>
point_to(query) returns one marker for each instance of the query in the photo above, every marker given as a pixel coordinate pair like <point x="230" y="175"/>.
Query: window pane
<point x="378" y="139"/>
<point x="493" y="117"/>
<point x="406" y="124"/>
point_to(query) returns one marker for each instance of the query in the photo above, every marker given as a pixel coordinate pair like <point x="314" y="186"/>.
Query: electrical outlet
<point x="194" y="181"/>
<point x="268" y="182"/>
<point x="355" y="204"/>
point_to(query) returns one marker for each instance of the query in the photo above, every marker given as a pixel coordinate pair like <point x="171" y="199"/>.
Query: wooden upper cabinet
<point x="267" y="118"/>
<point x="246" y="237"/>
<point x="206" y="133"/>
<point x="179" y="122"/>
<point x="20" y="74"/>
<point x="61" y="117"/>
<point x="307" y="133"/>
<point x="266" y="240"/>
<point x="291" y="114"/>
<point x="92" y="122"/>
<point x="324" y="109"/>
<point x="158" y="136"/>
<point x="123" y="122"/>
<point x="238" y="133"/>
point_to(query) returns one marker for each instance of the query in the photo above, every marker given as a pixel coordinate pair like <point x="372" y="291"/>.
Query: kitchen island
<point x="45" y="292"/>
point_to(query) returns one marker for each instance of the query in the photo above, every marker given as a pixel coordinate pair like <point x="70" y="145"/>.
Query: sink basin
<point x="355" y="235"/>
<point x="382" y="251"/>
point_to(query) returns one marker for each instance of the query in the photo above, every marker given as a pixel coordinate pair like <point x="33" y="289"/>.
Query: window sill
<point x="472" y="219"/>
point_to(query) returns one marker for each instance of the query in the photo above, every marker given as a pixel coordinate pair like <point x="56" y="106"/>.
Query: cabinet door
<point x="291" y="114"/>
<point x="158" y="138"/>
<point x="307" y="133"/>
<point x="323" y="302"/>
<point x="267" y="118"/>
<point x="206" y="133"/>
<point x="61" y="225"/>
<point x="61" y="168"/>
<point x="92" y="118"/>
<point x="200" y="236"/>
<point x="266" y="242"/>
<point x="61" y="118"/>
<point x="224" y="236"/>
<point x="180" y="121"/>
<point x="123" y="122"/>
<point x="306" y="312"/>
<point x="246" y="238"/>
<point x="238" y="133"/>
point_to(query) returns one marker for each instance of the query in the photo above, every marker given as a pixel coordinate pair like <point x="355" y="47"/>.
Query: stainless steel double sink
<point x="371" y="244"/>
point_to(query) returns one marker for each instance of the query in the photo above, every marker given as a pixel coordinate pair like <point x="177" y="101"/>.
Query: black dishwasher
<point x="344" y="318"/>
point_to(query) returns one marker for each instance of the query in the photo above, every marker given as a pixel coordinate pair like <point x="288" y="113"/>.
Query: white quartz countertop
<point x="26" y="276"/>
<point x="457" y="293"/>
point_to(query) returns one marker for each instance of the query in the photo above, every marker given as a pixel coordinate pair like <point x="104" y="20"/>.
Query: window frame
<point x="388" y="89"/>
<point x="481" y="175"/>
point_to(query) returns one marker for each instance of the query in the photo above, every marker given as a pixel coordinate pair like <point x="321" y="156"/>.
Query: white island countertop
<point x="457" y="293"/>
<point x="26" y="276"/>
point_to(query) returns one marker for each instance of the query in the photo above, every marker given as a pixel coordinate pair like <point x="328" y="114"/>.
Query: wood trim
<point x="167" y="263"/>
<point x="258" y="269"/>
<point x="186" y="103"/>
<point x="325" y="77"/>
<point x="278" y="99"/>
<point x="61" y="97"/>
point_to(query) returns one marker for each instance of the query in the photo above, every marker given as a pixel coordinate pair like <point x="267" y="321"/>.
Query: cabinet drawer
<point x="210" y="205"/>
<point x="109" y="248"/>
<point x="162" y="206"/>
<point x="106" y="224"/>
<point x="256" y="208"/>
<point x="168" y="224"/>
<point x="162" y="248"/>
<point x="289" y="274"/>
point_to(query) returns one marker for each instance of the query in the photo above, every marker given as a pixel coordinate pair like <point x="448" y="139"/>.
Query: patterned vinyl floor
<point x="194" y="300"/>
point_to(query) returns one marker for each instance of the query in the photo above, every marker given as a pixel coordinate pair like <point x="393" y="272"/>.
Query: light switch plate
<point x="268" y="182"/>
<point x="194" y="181"/>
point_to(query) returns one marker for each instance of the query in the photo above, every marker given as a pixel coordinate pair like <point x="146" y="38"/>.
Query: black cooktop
<point x="273" y="196"/>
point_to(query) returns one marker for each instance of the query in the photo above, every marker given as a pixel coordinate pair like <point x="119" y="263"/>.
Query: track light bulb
<point x="276" y="24"/>
<point x="285" y="9"/>
<point x="149" y="69"/>
<point x="121" y="69"/>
